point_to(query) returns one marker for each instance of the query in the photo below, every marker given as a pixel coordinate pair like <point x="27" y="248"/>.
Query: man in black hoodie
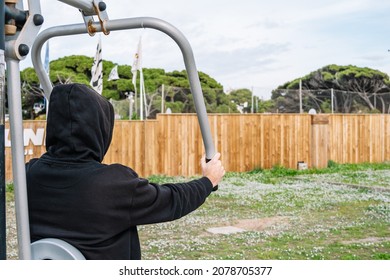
<point x="93" y="206"/>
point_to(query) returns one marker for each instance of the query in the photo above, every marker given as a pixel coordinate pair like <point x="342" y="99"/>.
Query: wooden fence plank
<point x="172" y="144"/>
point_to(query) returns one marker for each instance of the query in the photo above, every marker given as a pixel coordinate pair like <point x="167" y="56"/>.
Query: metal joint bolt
<point x="23" y="49"/>
<point x="102" y="6"/>
<point x="38" y="19"/>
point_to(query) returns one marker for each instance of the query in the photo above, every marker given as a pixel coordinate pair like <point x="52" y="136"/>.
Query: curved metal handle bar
<point x="133" y="23"/>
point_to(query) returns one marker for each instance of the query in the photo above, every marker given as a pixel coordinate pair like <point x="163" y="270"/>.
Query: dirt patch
<point x="367" y="240"/>
<point x="225" y="230"/>
<point x="262" y="224"/>
<point x="271" y="225"/>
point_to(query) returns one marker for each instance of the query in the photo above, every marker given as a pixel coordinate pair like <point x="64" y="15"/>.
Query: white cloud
<point x="250" y="43"/>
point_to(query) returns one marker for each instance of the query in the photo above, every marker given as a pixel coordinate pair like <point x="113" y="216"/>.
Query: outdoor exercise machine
<point x="17" y="47"/>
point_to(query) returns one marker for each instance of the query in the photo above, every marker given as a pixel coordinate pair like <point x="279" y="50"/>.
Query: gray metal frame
<point x="86" y="6"/>
<point x="22" y="40"/>
<point x="18" y="165"/>
<point x="28" y="36"/>
<point x="133" y="23"/>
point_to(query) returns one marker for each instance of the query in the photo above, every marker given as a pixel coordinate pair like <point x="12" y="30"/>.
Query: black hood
<point x="79" y="124"/>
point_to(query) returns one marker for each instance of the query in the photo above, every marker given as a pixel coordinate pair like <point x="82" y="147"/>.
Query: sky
<point x="254" y="44"/>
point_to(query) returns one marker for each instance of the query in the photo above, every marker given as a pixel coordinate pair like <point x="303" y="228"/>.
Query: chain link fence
<point x="330" y="101"/>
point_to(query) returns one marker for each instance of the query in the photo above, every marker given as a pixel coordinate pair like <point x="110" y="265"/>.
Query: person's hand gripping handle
<point x="213" y="169"/>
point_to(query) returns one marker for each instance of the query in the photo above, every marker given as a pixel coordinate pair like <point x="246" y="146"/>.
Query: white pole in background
<point x="162" y="98"/>
<point x="141" y="97"/>
<point x="131" y="107"/>
<point x="252" y="106"/>
<point x="331" y="98"/>
<point x="300" y="97"/>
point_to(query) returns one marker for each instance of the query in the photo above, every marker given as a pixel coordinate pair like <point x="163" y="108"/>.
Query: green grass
<point x="321" y="220"/>
<point x="358" y="174"/>
<point x="349" y="173"/>
<point x="9" y="191"/>
<point x="309" y="216"/>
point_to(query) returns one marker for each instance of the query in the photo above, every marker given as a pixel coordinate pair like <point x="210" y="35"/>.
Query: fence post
<point x="319" y="136"/>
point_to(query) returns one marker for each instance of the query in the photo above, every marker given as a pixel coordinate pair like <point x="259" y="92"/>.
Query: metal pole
<point x="128" y="97"/>
<point x="141" y="96"/>
<point x="16" y="48"/>
<point x="252" y="106"/>
<point x="135" y="101"/>
<point x="3" y="226"/>
<point x="145" y="100"/>
<point x="300" y="97"/>
<point x="162" y="99"/>
<point x="331" y="98"/>
<point x="130" y="106"/>
<point x="18" y="165"/>
<point x="133" y="23"/>
<point x="85" y="5"/>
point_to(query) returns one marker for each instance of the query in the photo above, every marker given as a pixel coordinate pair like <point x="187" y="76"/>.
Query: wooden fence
<point x="172" y="144"/>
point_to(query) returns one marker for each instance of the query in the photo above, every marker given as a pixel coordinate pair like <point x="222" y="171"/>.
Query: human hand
<point x="213" y="169"/>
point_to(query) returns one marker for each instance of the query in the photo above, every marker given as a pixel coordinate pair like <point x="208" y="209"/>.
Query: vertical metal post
<point x="162" y="99"/>
<point x="135" y="101"/>
<point x="252" y="102"/>
<point x="300" y="97"/>
<point x="17" y="47"/>
<point x="331" y="98"/>
<point x="141" y="96"/>
<point x="3" y="243"/>
<point x="131" y="100"/>
<point x="18" y="165"/>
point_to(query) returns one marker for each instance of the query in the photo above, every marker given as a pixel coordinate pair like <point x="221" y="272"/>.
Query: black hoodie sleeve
<point x="153" y="203"/>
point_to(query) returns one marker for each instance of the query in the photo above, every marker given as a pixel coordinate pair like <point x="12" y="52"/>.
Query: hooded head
<point x="79" y="124"/>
